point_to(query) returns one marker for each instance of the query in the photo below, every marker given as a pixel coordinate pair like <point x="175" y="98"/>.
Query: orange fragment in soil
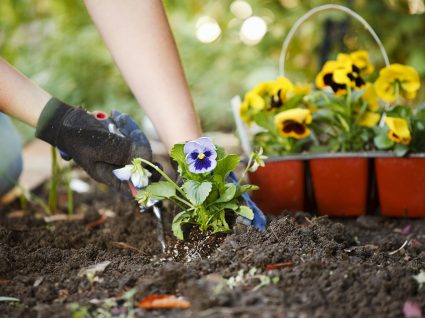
<point x="279" y="265"/>
<point x="164" y="302"/>
<point x="97" y="222"/>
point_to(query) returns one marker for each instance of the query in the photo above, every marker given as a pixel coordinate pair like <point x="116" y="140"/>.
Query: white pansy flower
<point x="138" y="175"/>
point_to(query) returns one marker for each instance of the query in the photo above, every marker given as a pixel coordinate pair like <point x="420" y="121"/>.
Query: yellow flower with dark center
<point x="398" y="130"/>
<point x="369" y="119"/>
<point x="293" y="123"/>
<point x="361" y="60"/>
<point x="355" y="76"/>
<point x="370" y="97"/>
<point x="252" y="104"/>
<point x="397" y="80"/>
<point x="339" y="75"/>
<point x="280" y="89"/>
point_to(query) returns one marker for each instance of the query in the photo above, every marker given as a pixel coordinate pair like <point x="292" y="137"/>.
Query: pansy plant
<point x="347" y="104"/>
<point x="404" y="126"/>
<point x="278" y="110"/>
<point x="205" y="194"/>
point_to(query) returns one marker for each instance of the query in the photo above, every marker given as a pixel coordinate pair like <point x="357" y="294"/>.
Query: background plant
<point x="277" y="110"/>
<point x="56" y="44"/>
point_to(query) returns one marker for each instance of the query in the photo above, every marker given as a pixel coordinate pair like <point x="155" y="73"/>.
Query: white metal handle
<point x="313" y="11"/>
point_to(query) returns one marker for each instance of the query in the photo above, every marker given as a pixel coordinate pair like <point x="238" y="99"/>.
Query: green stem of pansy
<point x="183" y="201"/>
<point x="69" y="193"/>
<point x="248" y="166"/>
<point x="162" y="173"/>
<point x="348" y="106"/>
<point x="53" y="192"/>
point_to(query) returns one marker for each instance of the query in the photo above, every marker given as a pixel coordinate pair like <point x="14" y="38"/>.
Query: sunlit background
<point x="226" y="47"/>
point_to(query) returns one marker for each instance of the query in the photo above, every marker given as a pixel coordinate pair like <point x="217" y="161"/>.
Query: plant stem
<point x="69" y="193"/>
<point x="184" y="201"/>
<point x="162" y="173"/>
<point x="246" y="170"/>
<point x="53" y="192"/>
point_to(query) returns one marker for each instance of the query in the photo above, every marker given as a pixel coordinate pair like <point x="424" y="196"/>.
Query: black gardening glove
<point x="89" y="142"/>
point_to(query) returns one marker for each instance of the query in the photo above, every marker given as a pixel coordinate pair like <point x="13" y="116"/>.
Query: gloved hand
<point x="89" y="142"/>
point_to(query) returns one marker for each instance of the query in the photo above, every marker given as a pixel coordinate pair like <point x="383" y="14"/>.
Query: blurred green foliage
<point x="57" y="46"/>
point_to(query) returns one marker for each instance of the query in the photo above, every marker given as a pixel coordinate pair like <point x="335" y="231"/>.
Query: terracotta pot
<point x="282" y="186"/>
<point x="340" y="185"/>
<point x="401" y="184"/>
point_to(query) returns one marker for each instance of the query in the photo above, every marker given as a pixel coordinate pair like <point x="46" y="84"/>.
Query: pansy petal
<point x="190" y="157"/>
<point x="136" y="179"/>
<point x="205" y="142"/>
<point x="124" y="174"/>
<point x="210" y="153"/>
<point x="192" y="146"/>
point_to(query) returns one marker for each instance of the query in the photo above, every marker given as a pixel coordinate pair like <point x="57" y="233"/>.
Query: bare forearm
<point x="139" y="38"/>
<point x="19" y="97"/>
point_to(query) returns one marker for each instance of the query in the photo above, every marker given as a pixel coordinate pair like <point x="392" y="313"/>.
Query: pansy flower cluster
<point x="277" y="107"/>
<point x="351" y="109"/>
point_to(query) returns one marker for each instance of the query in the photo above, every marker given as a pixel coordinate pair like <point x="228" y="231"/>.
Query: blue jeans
<point x="10" y="155"/>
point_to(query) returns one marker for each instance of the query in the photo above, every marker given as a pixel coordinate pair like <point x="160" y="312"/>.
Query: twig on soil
<point x="63" y="217"/>
<point x="367" y="246"/>
<point x="124" y="245"/>
<point x="399" y="249"/>
<point x="279" y="265"/>
<point x="97" y="222"/>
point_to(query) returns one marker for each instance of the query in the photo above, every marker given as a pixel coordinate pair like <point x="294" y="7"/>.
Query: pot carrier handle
<point x="313" y="11"/>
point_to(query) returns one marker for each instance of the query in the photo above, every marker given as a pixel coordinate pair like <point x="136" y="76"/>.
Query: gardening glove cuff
<point x="50" y="121"/>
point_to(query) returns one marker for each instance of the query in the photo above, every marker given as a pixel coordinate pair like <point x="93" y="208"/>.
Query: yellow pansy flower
<point x="293" y="123"/>
<point x="398" y="130"/>
<point x="263" y="88"/>
<point x="370" y="97"/>
<point x="302" y="89"/>
<point x="339" y="75"/>
<point x="280" y="89"/>
<point x="369" y="119"/>
<point x="361" y="60"/>
<point x="252" y="104"/>
<point x="397" y="80"/>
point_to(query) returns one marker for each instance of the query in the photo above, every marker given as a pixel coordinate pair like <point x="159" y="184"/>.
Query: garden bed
<point x="352" y="267"/>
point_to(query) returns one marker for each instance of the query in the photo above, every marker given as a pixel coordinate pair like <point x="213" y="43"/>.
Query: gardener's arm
<point x="19" y="97"/>
<point x="72" y="129"/>
<point x="139" y="38"/>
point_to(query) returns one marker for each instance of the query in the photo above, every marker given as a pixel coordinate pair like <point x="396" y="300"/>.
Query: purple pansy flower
<point x="200" y="155"/>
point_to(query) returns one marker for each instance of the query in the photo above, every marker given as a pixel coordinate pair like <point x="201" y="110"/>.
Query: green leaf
<point x="197" y="192"/>
<point x="246" y="212"/>
<point x="343" y="122"/>
<point x="143" y="196"/>
<point x="162" y="190"/>
<point x="401" y="150"/>
<point x="383" y="142"/>
<point x="178" y="154"/>
<point x="248" y="187"/>
<point x="226" y="165"/>
<point x="179" y="219"/>
<point x="177" y="230"/>
<point x="228" y="194"/>
<point x="264" y="120"/>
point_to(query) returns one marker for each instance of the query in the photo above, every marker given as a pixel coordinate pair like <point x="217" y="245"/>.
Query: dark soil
<point x="332" y="267"/>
